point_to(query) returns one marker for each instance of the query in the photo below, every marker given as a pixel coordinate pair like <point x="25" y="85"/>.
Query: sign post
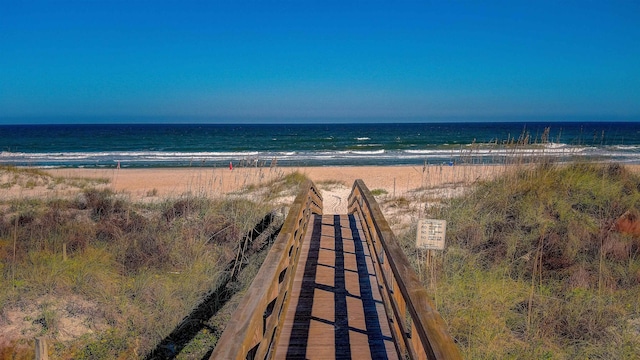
<point x="430" y="236"/>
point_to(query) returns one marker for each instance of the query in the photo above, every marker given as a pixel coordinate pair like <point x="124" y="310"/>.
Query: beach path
<point x="335" y="200"/>
<point x="336" y="310"/>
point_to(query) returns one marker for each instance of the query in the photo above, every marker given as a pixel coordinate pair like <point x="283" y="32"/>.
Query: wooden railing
<point x="418" y="329"/>
<point x="256" y="323"/>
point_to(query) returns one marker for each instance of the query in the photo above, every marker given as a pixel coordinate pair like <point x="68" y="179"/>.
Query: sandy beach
<point x="177" y="181"/>
<point x="174" y="182"/>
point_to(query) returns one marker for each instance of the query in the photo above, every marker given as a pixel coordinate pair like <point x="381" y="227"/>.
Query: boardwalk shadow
<point x="258" y="239"/>
<point x="337" y="270"/>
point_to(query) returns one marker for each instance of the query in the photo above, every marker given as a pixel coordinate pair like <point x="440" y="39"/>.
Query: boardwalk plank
<point x="335" y="311"/>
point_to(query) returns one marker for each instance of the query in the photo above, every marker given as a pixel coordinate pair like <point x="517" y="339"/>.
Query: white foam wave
<point x="382" y="156"/>
<point x="555" y="145"/>
<point x="430" y="152"/>
<point x="375" y="152"/>
<point x="626" y="147"/>
<point x="503" y="151"/>
<point x="141" y="154"/>
<point x="368" y="145"/>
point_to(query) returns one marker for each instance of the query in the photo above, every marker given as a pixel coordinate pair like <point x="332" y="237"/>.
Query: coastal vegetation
<point x="33" y="178"/>
<point x="541" y="261"/>
<point x="540" y="264"/>
<point x="106" y="277"/>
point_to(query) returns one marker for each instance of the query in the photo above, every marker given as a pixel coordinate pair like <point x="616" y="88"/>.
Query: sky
<point x="306" y="61"/>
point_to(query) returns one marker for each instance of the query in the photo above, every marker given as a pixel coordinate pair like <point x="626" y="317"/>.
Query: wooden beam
<point x="434" y="338"/>
<point x="250" y="332"/>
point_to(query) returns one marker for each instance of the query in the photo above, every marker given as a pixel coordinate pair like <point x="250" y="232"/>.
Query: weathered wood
<point x="395" y="275"/>
<point x="335" y="309"/>
<point x="256" y="322"/>
<point x="319" y="295"/>
<point x="42" y="352"/>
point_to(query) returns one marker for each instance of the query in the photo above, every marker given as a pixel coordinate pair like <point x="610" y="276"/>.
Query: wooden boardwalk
<point x="336" y="287"/>
<point x="336" y="310"/>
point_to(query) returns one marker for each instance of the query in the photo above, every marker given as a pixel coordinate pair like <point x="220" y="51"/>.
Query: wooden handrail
<point x="418" y="329"/>
<point x="255" y="325"/>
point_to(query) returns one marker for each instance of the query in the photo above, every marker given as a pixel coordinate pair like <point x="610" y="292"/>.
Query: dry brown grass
<point x="533" y="269"/>
<point x="138" y="267"/>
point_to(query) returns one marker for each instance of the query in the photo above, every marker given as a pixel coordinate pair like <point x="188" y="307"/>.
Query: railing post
<point x="417" y="327"/>
<point x="255" y="326"/>
<point x="41" y="348"/>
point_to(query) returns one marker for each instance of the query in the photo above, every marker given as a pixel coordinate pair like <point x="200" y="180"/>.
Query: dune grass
<point x="31" y="178"/>
<point x="534" y="268"/>
<point x="132" y="270"/>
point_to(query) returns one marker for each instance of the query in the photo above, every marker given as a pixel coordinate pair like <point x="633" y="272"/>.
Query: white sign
<point x="430" y="234"/>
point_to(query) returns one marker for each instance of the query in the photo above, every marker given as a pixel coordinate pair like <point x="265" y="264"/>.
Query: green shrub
<point x="143" y="266"/>
<point x="108" y="345"/>
<point x="533" y="269"/>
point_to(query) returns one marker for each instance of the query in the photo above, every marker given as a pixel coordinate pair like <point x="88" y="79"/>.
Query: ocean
<point x="214" y="145"/>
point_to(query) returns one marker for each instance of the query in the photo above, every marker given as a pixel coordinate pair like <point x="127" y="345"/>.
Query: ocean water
<point x="169" y="145"/>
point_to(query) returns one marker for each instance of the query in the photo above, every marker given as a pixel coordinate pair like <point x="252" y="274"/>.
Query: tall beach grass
<point x="105" y="277"/>
<point x="534" y="267"/>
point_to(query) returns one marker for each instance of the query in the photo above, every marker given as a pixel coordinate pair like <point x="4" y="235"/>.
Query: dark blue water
<point x="164" y="145"/>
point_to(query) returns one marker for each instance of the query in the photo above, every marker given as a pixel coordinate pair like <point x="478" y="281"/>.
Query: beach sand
<point x="173" y="182"/>
<point x="176" y="181"/>
<point x="397" y="181"/>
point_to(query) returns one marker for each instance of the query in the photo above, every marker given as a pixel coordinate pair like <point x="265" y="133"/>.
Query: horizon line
<point x="289" y="120"/>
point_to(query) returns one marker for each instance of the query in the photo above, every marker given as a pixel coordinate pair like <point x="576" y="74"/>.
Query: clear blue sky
<point x="226" y="60"/>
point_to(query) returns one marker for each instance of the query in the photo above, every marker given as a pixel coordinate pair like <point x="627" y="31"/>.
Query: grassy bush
<point x="379" y="192"/>
<point x="286" y="185"/>
<point x="533" y="268"/>
<point x="30" y="178"/>
<point x="144" y="266"/>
